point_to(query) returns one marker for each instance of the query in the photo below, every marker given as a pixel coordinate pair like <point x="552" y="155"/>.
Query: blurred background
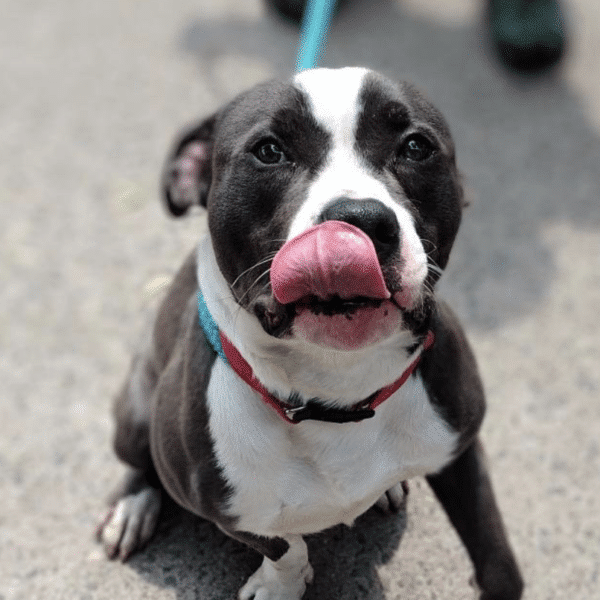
<point x="91" y="97"/>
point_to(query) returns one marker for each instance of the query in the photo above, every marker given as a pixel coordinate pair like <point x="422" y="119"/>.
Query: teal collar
<point x="210" y="328"/>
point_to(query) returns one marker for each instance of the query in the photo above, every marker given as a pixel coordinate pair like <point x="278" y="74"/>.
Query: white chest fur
<point x="306" y="477"/>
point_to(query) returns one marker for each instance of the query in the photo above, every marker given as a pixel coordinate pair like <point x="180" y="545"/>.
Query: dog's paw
<point x="130" y="523"/>
<point x="394" y="499"/>
<point x="270" y="583"/>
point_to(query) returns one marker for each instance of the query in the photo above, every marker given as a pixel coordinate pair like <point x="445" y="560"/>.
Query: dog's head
<point x="334" y="200"/>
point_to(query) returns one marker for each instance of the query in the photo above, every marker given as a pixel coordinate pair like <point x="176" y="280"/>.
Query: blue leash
<point x="313" y="32"/>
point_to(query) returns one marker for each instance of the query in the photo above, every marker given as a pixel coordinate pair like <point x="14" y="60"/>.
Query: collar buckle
<point x="291" y="412"/>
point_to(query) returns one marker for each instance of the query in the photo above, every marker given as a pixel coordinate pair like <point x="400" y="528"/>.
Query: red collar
<point x="312" y="409"/>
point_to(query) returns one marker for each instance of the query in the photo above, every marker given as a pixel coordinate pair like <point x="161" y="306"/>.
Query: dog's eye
<point x="416" y="148"/>
<point x="269" y="153"/>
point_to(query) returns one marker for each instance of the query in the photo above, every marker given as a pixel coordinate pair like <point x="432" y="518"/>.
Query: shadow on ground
<point x="196" y="560"/>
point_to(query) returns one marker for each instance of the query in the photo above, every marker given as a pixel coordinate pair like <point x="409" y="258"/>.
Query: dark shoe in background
<point x="527" y="34"/>
<point x="292" y="10"/>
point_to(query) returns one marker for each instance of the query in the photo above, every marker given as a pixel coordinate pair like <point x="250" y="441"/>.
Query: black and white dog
<point x="301" y="368"/>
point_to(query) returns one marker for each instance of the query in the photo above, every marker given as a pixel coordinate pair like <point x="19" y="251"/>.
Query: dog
<point x="301" y="369"/>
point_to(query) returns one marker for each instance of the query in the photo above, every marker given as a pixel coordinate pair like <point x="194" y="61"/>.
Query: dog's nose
<point x="372" y="216"/>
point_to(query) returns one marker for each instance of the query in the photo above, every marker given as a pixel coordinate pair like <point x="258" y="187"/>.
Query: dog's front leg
<point x="465" y="491"/>
<point x="284" y="572"/>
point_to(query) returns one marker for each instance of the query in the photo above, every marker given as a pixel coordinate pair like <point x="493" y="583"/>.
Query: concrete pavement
<point x="91" y="95"/>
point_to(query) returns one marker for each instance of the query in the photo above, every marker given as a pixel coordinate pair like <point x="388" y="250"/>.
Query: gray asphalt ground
<point x="91" y="95"/>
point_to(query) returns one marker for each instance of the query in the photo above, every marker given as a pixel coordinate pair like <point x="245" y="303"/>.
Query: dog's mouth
<point x="346" y="324"/>
<point x="339" y="323"/>
<point x="328" y="289"/>
<point x="336" y="305"/>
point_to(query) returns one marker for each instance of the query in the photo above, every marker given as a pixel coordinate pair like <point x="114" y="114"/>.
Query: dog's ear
<point x="188" y="170"/>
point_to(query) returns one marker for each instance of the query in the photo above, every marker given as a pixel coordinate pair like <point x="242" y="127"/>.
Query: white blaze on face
<point x="334" y="97"/>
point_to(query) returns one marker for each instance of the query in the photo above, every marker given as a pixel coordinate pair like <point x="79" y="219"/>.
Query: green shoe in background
<point x="528" y="34"/>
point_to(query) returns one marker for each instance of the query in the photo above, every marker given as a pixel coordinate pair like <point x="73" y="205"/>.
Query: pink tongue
<point x="330" y="259"/>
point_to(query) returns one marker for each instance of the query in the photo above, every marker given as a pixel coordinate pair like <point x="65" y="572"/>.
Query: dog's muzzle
<point x="332" y="276"/>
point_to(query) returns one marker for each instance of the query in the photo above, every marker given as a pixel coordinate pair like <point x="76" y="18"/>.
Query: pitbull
<point x="301" y="369"/>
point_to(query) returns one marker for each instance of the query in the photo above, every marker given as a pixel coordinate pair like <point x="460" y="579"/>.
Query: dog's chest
<point x="307" y="477"/>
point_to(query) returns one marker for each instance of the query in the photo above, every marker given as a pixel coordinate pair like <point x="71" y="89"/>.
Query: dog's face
<point x="333" y="201"/>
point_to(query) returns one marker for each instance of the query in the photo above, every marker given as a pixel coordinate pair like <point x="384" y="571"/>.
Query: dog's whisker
<point x="261" y="262"/>
<point x="237" y="312"/>
<point x="433" y="266"/>
<point x="433" y="246"/>
<point x="243" y="296"/>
